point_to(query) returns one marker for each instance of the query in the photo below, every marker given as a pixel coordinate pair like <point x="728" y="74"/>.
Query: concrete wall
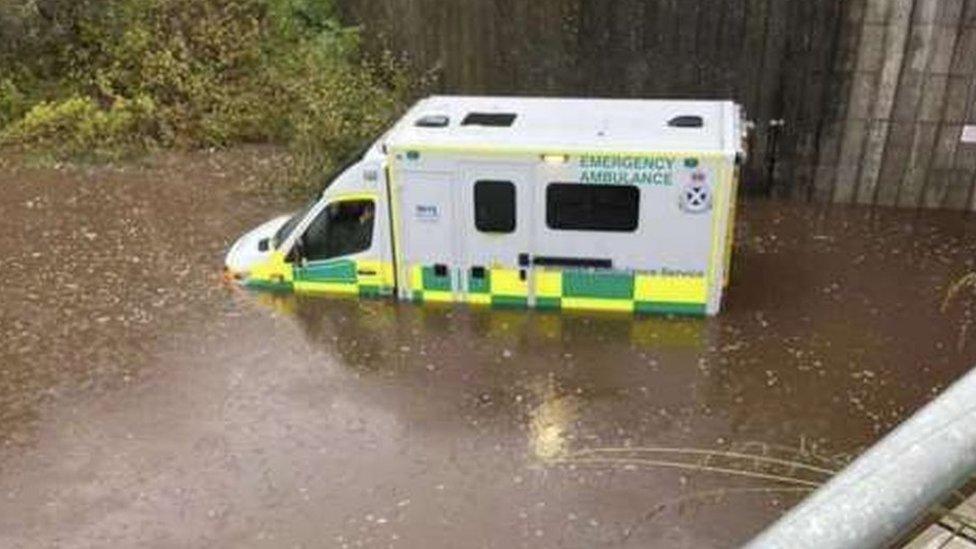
<point x="908" y="86"/>
<point x="874" y="93"/>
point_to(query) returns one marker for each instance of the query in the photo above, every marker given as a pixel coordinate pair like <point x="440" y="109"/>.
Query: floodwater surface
<point x="145" y="403"/>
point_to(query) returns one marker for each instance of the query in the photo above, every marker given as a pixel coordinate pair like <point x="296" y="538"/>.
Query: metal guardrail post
<point x="888" y="489"/>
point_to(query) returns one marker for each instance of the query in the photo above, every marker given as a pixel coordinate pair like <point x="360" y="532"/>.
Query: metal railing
<point x="886" y="491"/>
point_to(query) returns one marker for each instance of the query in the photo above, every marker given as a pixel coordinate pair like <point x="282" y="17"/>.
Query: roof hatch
<point x="491" y="119"/>
<point x="687" y="121"/>
<point x="433" y="121"/>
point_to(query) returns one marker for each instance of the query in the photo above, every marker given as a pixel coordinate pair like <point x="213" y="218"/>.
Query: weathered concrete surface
<point x="142" y="403"/>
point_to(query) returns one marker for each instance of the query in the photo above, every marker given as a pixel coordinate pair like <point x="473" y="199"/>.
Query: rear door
<point x="496" y="223"/>
<point x="429" y="237"/>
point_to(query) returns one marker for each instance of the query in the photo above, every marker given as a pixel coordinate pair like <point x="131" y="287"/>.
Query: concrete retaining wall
<point x="874" y="93"/>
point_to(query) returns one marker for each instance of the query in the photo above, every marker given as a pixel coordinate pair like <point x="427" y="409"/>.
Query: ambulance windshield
<point x="285" y="231"/>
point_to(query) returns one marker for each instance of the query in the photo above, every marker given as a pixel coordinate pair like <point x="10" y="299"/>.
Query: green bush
<point x="336" y="111"/>
<point x="78" y="127"/>
<point x="13" y="104"/>
<point x="114" y="76"/>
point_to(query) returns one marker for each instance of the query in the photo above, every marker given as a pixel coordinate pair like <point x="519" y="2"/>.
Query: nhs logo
<point x="427" y="213"/>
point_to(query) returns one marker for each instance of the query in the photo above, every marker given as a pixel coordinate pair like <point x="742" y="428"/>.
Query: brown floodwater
<point x="145" y="403"/>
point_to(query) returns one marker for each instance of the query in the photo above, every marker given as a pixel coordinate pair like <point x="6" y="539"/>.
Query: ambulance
<point x="565" y="204"/>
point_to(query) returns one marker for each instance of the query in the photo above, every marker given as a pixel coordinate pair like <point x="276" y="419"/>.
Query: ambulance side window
<point x="494" y="206"/>
<point x="580" y="207"/>
<point x="342" y="228"/>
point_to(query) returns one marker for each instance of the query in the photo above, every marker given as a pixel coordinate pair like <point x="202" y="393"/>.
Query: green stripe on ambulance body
<point x="269" y="286"/>
<point x="684" y="309"/>
<point x="598" y="285"/>
<point x="548" y="303"/>
<point x="435" y="283"/>
<point x="337" y="272"/>
<point x="480" y="285"/>
<point x="375" y="291"/>
<point x="509" y="302"/>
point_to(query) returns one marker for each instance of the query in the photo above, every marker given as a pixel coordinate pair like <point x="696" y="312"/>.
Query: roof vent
<point x="433" y="121"/>
<point x="491" y="119"/>
<point x="686" y="121"/>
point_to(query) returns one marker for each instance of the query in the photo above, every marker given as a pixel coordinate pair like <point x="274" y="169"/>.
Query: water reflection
<point x="546" y="368"/>
<point x="551" y="422"/>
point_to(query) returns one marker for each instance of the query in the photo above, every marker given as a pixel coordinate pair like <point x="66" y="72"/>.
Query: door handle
<point x="572" y="262"/>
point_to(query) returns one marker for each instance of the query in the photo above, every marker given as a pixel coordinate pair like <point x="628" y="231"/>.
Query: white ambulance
<point x="592" y="204"/>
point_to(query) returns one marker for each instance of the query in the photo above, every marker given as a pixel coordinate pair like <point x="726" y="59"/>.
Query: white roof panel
<point x="568" y="125"/>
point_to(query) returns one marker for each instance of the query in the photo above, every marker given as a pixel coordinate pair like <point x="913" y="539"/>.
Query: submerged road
<point x="143" y="403"/>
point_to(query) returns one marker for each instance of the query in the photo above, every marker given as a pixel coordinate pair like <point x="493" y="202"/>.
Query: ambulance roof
<point x="570" y="125"/>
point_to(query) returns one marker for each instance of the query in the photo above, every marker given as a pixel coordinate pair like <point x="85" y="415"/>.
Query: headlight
<point x="234" y="276"/>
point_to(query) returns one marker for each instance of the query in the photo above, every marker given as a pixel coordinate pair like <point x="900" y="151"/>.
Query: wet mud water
<point x="144" y="403"/>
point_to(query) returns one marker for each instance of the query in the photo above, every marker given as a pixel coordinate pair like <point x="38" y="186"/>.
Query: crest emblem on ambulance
<point x="696" y="195"/>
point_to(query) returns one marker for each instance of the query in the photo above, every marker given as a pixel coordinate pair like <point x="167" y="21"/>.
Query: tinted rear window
<point x="494" y="206"/>
<point x="578" y="207"/>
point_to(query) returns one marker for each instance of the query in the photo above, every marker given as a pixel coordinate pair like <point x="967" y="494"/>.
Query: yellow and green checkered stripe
<point x="345" y="277"/>
<point x="337" y="277"/>
<point x="566" y="289"/>
<point x="426" y="285"/>
<point x="620" y="291"/>
<point x="497" y="287"/>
